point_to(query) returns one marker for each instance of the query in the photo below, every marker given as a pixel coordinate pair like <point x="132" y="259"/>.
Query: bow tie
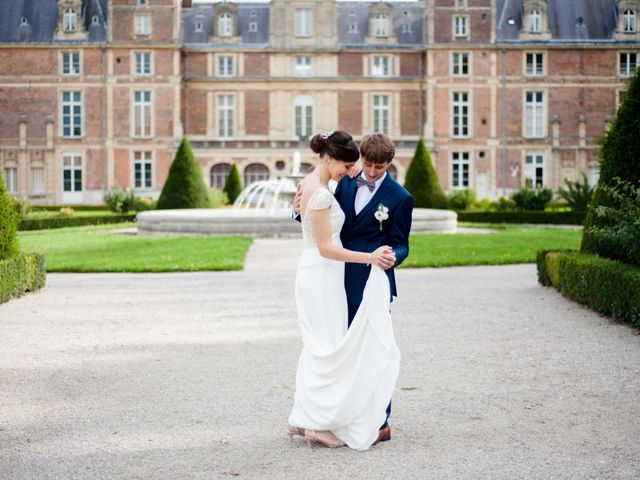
<point x="370" y="185"/>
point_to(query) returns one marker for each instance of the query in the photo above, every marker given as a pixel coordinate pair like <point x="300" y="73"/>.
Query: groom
<point x="361" y="198"/>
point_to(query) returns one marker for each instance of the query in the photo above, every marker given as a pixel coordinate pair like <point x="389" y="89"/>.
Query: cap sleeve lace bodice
<point x="322" y="199"/>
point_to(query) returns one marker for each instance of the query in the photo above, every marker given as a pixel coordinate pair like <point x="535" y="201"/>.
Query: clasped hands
<point x="384" y="257"/>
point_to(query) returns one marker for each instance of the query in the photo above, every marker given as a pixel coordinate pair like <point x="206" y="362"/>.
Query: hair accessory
<point x="327" y="135"/>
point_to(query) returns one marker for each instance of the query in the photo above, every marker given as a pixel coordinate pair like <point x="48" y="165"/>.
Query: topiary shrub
<point x="119" y="200"/>
<point x="422" y="180"/>
<point x="233" y="185"/>
<point x="461" y="199"/>
<point x="529" y="199"/>
<point x="577" y="194"/>
<point x="619" y="153"/>
<point x="184" y="187"/>
<point x="8" y="224"/>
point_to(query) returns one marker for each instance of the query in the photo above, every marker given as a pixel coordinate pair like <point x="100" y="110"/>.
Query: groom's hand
<point x="387" y="259"/>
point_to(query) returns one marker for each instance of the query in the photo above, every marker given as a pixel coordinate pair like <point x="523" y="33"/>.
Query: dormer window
<point x="225" y="25"/>
<point x="24" y="21"/>
<point x="143" y="3"/>
<point x="253" y="26"/>
<point x="535" y="21"/>
<point x="70" y="20"/>
<point x="353" y="27"/>
<point x="629" y="21"/>
<point x="198" y="26"/>
<point x="382" y="26"/>
<point x="95" y="20"/>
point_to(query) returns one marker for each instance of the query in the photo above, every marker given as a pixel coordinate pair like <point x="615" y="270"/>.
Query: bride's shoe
<point x="323" y="437"/>
<point x="291" y="431"/>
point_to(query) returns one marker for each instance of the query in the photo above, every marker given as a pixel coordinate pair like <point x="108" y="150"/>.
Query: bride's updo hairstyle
<point x="337" y="144"/>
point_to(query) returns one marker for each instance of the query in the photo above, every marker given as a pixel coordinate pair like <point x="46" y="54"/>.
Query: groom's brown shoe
<point x="384" y="435"/>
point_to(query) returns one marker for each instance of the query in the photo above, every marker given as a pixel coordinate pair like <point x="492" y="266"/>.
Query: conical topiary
<point x="620" y="158"/>
<point x="422" y="180"/>
<point x="233" y="186"/>
<point x="184" y="187"/>
<point x="8" y="224"/>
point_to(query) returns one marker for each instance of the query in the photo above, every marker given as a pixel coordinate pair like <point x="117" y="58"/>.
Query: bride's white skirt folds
<point x="345" y="377"/>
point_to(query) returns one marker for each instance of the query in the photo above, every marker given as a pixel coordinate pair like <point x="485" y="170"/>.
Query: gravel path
<point x="191" y="376"/>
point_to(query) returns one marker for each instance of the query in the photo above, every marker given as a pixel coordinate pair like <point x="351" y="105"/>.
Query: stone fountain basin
<point x="262" y="224"/>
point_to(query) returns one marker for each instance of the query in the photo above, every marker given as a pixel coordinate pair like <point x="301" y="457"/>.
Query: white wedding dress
<point x="345" y="377"/>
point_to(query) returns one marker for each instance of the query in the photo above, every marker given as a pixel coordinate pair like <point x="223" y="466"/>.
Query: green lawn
<point x="94" y="249"/>
<point x="509" y="245"/>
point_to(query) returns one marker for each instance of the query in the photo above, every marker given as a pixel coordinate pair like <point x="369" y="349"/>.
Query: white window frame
<point x="198" y="25"/>
<point x="303" y="116"/>
<point x="72" y="162"/>
<point x="225" y="25"/>
<point x="70" y="64"/>
<point x="382" y="25"/>
<point x="225" y="114"/>
<point x="303" y="66"/>
<point x="142" y="114"/>
<point x="75" y="118"/>
<point x="629" y="21"/>
<point x="534" y="114"/>
<point x="303" y="22"/>
<point x="381" y="112"/>
<point x="142" y="160"/>
<point x="352" y="27"/>
<point x="534" y="21"/>
<point x="531" y="169"/>
<point x="461" y="4"/>
<point x="628" y="68"/>
<point x="380" y="65"/>
<point x="535" y="68"/>
<point x="38" y="182"/>
<point x="251" y="177"/>
<point x="461" y="114"/>
<point x="460" y="166"/>
<point x="218" y="179"/>
<point x="593" y="175"/>
<point x="225" y="65"/>
<point x="458" y="61"/>
<point x="142" y="24"/>
<point x="253" y="26"/>
<point x="10" y="175"/>
<point x="70" y="20"/>
<point x="460" y="26"/>
<point x="142" y="64"/>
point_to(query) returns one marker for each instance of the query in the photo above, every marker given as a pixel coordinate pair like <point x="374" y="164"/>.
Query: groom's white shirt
<point x="364" y="195"/>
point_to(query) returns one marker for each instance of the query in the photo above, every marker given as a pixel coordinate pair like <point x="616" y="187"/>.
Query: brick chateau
<point x="98" y="93"/>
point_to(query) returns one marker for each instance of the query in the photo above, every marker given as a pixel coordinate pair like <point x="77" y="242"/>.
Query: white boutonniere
<point x="381" y="214"/>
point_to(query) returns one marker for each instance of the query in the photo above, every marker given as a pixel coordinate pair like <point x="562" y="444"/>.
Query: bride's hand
<point x="383" y="257"/>
<point x="355" y="170"/>
<point x="297" y="198"/>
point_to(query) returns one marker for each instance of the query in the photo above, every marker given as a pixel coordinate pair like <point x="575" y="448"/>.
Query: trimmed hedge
<point x="23" y="273"/>
<point x="608" y="287"/>
<point x="77" y="208"/>
<point x="537" y="217"/>
<point x="61" y="222"/>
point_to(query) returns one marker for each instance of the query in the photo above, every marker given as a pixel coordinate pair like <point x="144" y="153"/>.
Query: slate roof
<point x="246" y="13"/>
<point x="568" y="21"/>
<point x="42" y="18"/>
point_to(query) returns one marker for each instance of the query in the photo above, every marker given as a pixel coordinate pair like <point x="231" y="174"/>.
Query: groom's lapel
<point x="350" y="200"/>
<point x="366" y="212"/>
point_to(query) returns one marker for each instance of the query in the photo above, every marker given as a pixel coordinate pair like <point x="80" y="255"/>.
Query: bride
<point x="345" y="376"/>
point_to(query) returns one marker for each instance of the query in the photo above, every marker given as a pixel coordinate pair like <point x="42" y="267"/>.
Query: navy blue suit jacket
<point x="362" y="232"/>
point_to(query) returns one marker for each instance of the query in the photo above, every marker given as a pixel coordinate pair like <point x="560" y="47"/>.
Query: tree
<point x="184" y="187"/>
<point x="620" y="159"/>
<point x="233" y="186"/>
<point x="422" y="180"/>
<point x="8" y="225"/>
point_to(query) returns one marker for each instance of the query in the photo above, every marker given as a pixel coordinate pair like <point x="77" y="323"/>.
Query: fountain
<point x="263" y="209"/>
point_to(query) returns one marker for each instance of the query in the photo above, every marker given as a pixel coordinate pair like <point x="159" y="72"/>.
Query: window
<point x="353" y="27"/>
<point x="406" y="28"/>
<point x="460" y="169"/>
<point x="380" y="66"/>
<point x="142" y="170"/>
<point x="142" y="24"/>
<point x="303" y="22"/>
<point x="381" y="114"/>
<point x="253" y="26"/>
<point x="142" y="114"/>
<point x="71" y="112"/>
<point x="11" y="179"/>
<point x="535" y="21"/>
<point x="461" y="3"/>
<point x="534" y="64"/>
<point x="143" y="3"/>
<point x="460" y="26"/>
<point x="255" y="172"/>
<point x="382" y="25"/>
<point x="95" y="20"/>
<point x="303" y="66"/>
<point x="534" y="115"/>
<point x="70" y="20"/>
<point x="24" y="21"/>
<point x="629" y="21"/>
<point x="225" y="115"/>
<point x="460" y="114"/>
<point x="225" y="25"/>
<point x="37" y="180"/>
<point x="593" y="175"/>
<point x="303" y="113"/>
<point x="460" y="64"/>
<point x="198" y="25"/>
<point x="70" y="63"/>
<point x="393" y="171"/>
<point x="71" y="173"/>
<point x="218" y="175"/>
<point x="534" y="170"/>
<point x="627" y="63"/>
<point x="225" y="66"/>
<point x="142" y="63"/>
